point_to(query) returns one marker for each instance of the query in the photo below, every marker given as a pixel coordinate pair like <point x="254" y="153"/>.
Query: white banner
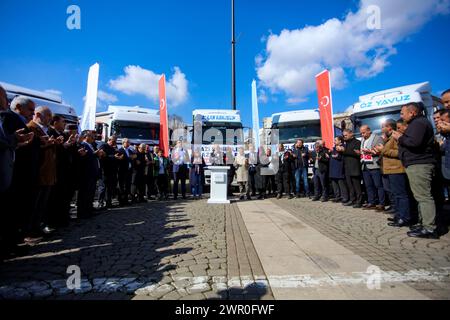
<point x="90" y="106"/>
<point x="255" y="113"/>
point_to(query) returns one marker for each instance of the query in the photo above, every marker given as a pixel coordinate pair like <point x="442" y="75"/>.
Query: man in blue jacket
<point x="301" y="161"/>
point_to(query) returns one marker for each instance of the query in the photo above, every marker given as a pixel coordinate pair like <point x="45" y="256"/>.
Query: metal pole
<point x="233" y="58"/>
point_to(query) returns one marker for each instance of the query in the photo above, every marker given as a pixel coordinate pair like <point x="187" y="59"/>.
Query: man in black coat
<point x="301" y="156"/>
<point x="321" y="160"/>
<point x="25" y="172"/>
<point x="89" y="171"/>
<point x="110" y="165"/>
<point x="352" y="166"/>
<point x="62" y="193"/>
<point x="418" y="154"/>
<point x="125" y="171"/>
<point x="285" y="173"/>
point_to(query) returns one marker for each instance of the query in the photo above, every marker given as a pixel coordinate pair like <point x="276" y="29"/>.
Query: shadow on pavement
<point x="117" y="252"/>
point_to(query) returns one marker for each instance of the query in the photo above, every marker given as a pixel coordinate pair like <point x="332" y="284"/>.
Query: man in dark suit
<point x="285" y="172"/>
<point x="352" y="166"/>
<point x="8" y="145"/>
<point x="62" y="193"/>
<point x="89" y="171"/>
<point x="25" y="172"/>
<point x="126" y="158"/>
<point x="301" y="160"/>
<point x="321" y="160"/>
<point x="110" y="165"/>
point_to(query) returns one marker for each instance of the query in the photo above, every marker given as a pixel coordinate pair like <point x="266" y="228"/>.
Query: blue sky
<point x="39" y="52"/>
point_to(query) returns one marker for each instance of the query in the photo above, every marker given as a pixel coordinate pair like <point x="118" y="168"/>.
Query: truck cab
<point x="375" y="108"/>
<point x="294" y="125"/>
<point x="138" y="124"/>
<point x="214" y="127"/>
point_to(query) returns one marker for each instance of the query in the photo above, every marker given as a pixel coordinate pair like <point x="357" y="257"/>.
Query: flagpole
<point x="233" y="58"/>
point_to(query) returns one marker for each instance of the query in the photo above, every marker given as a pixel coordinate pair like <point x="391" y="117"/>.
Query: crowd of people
<point x="404" y="171"/>
<point x="47" y="167"/>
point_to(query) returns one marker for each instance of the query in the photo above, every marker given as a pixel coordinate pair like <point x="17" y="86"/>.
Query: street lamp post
<point x="233" y="58"/>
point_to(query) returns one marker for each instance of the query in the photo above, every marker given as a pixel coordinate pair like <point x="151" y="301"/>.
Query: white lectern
<point x="219" y="185"/>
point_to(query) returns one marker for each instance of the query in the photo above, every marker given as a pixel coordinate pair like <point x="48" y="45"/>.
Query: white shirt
<point x="45" y="129"/>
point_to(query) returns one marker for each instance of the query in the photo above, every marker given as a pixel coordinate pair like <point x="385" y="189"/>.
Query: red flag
<point x="164" y="129"/>
<point x="326" y="108"/>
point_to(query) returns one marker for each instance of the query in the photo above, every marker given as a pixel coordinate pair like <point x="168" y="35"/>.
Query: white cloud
<point x="145" y="82"/>
<point x="346" y="47"/>
<point x="106" y="97"/>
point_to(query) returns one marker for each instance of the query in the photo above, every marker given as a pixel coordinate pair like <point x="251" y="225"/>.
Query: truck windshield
<point x="374" y="121"/>
<point x="136" y="130"/>
<point x="310" y="132"/>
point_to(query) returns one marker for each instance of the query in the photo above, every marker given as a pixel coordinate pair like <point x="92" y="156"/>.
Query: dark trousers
<point x="399" y="188"/>
<point x="196" y="184"/>
<point x="269" y="184"/>
<point x="178" y="177"/>
<point x="252" y="180"/>
<point x="125" y="179"/>
<point x="387" y="188"/>
<point x="39" y="217"/>
<point x="320" y="185"/>
<point x="59" y="203"/>
<point x="340" y="189"/>
<point x="374" y="187"/>
<point x="354" y="188"/>
<point x="111" y="188"/>
<point x="140" y="181"/>
<point x="284" y="182"/>
<point x="151" y="185"/>
<point x="85" y="199"/>
<point x="162" y="182"/>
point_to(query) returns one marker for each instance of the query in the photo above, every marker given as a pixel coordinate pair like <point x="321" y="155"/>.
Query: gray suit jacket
<point x="376" y="140"/>
<point x="8" y="146"/>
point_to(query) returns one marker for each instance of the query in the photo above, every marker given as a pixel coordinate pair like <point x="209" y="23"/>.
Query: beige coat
<point x="241" y="164"/>
<point x="391" y="162"/>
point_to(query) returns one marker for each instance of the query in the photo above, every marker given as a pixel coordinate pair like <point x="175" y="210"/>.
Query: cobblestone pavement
<point x="190" y="250"/>
<point x="173" y="250"/>
<point x="366" y="233"/>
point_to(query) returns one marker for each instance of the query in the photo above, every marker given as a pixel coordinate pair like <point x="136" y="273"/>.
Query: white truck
<point x="53" y="101"/>
<point x="294" y="125"/>
<point x="138" y="124"/>
<point x="375" y="108"/>
<point x="214" y="126"/>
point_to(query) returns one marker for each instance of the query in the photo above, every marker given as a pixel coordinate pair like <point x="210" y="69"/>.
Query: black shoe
<point x="358" y="206"/>
<point x="337" y="200"/>
<point x="423" y="234"/>
<point x="391" y="210"/>
<point x="392" y="219"/>
<point x="348" y="204"/>
<point x="324" y="200"/>
<point x="315" y="199"/>
<point x="241" y="198"/>
<point x="399" y="224"/>
<point x="291" y="197"/>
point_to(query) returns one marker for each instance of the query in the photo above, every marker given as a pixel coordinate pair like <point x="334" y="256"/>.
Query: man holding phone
<point x="371" y="169"/>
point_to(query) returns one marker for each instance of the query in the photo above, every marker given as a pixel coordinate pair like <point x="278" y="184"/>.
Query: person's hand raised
<point x="23" y="137"/>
